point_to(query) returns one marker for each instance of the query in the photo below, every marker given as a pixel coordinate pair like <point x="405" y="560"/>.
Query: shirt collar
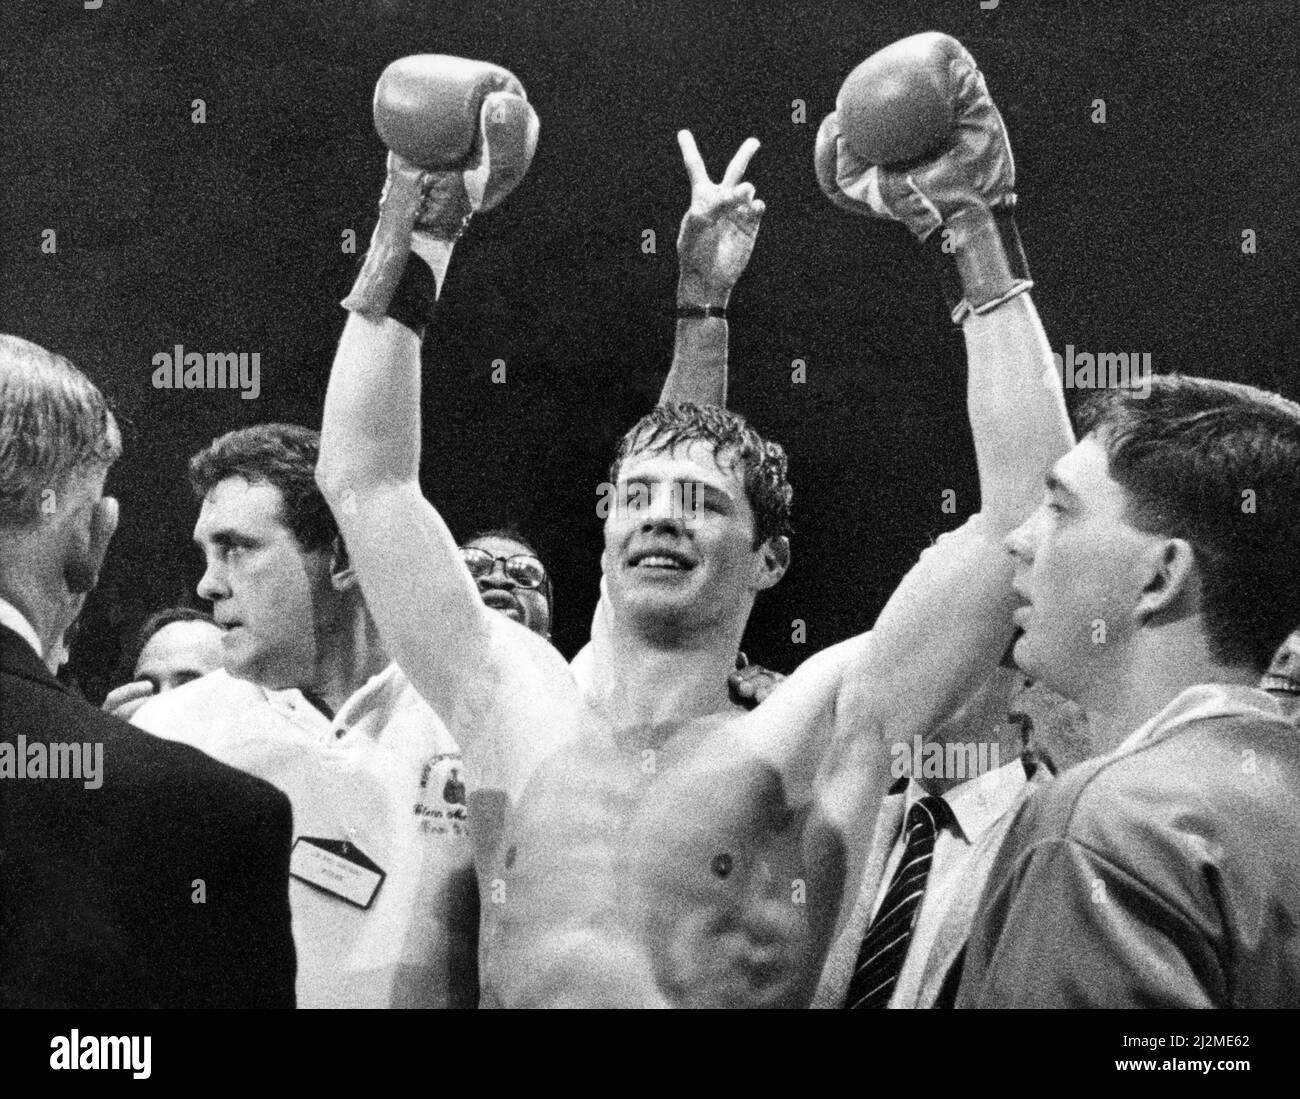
<point x="12" y="617"/>
<point x="1204" y="700"/>
<point x="378" y="692"/>
<point x="977" y="803"/>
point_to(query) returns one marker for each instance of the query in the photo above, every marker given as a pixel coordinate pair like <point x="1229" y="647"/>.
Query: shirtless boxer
<point x="641" y="840"/>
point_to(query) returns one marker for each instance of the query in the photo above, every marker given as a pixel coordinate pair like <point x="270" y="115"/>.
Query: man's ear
<point x="775" y="560"/>
<point x="1171" y="587"/>
<point x="343" y="576"/>
<point x="81" y="572"/>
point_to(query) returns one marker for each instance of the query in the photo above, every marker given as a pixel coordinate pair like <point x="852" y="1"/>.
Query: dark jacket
<point x="1161" y="876"/>
<point x="167" y="886"/>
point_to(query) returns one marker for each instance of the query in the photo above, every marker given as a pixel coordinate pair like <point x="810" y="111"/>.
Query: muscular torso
<point x="660" y="867"/>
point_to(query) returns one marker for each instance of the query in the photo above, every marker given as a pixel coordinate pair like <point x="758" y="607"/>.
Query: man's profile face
<point x="1081" y="568"/>
<point x="679" y="542"/>
<point x="527" y="606"/>
<point x="180" y="652"/>
<point x="267" y="592"/>
<point x="1282" y="679"/>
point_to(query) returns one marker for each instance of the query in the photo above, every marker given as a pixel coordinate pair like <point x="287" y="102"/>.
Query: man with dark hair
<point x="640" y="840"/>
<point x="173" y="646"/>
<point x="382" y="894"/>
<point x="133" y="873"/>
<point x="761" y="465"/>
<point x="1157" y="580"/>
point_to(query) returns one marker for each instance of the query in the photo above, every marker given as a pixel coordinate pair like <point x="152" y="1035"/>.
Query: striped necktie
<point x="884" y="947"/>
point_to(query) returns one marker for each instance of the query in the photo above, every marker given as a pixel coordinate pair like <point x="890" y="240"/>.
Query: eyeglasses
<point x="523" y="569"/>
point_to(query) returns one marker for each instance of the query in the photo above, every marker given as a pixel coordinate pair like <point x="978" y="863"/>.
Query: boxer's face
<point x="1081" y="569"/>
<point x="527" y="606"/>
<point x="679" y="542"/>
<point x="180" y="652"/>
<point x="269" y="595"/>
<point x="1282" y="680"/>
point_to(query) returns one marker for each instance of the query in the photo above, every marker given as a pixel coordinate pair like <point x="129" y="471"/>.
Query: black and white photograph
<point x="649" y="504"/>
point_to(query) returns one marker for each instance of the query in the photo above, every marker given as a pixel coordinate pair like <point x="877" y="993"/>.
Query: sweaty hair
<point x="54" y="423"/>
<point x="1217" y="464"/>
<point x="281" y="455"/>
<point x="762" y="464"/>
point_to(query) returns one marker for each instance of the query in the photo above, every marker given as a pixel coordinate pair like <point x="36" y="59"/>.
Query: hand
<point x="718" y="232"/>
<point x="123" y="701"/>
<point x="752" y="684"/>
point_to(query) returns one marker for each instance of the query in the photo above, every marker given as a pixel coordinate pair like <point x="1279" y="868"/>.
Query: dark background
<point x="226" y="236"/>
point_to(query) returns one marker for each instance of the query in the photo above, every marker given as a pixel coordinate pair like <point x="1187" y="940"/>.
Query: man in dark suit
<point x="134" y="872"/>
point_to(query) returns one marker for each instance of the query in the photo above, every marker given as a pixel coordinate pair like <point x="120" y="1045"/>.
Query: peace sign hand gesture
<point x="718" y="232"/>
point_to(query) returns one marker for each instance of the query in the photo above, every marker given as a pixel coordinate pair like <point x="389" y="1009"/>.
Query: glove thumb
<point x="508" y="131"/>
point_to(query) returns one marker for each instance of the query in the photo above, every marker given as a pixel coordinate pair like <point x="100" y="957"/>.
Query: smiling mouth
<point x="1280" y="684"/>
<point x="660" y="561"/>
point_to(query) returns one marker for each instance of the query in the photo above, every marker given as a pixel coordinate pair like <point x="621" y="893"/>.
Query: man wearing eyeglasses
<point x="511" y="578"/>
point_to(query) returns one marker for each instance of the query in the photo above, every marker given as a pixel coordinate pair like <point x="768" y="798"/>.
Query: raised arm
<point x="713" y="249"/>
<point x="429" y="613"/>
<point x="714" y="245"/>
<point x="942" y="631"/>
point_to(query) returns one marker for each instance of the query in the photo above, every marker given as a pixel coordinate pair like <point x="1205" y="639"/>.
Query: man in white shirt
<point x="383" y="894"/>
<point x="384" y="904"/>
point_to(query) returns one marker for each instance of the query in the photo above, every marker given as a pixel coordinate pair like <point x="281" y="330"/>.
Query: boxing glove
<point x="461" y="136"/>
<point x="916" y="138"/>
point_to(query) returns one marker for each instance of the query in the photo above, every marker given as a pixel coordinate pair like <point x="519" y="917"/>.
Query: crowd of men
<point x="1061" y="768"/>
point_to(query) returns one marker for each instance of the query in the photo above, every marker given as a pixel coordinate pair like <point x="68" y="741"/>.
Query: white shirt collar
<point x="378" y="693"/>
<point x="12" y="617"/>
<point x="978" y="802"/>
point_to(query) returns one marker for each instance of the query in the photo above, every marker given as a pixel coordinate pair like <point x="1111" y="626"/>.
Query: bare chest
<point x="678" y="862"/>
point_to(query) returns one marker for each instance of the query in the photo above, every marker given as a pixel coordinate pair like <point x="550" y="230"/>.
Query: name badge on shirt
<point x="337" y="867"/>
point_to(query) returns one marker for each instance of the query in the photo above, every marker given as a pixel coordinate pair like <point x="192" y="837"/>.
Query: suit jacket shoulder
<point x="172" y="864"/>
<point x="1169" y="869"/>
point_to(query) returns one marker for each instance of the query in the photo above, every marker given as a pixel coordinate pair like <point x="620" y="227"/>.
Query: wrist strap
<point x="416" y="298"/>
<point x="382" y="267"/>
<point x="698" y="312"/>
<point x="981" y="261"/>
